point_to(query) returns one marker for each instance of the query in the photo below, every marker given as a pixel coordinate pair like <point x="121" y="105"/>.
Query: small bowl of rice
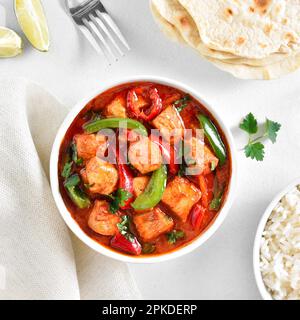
<point x="276" y="255"/>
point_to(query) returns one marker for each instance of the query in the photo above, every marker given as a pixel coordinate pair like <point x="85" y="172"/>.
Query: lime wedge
<point x="10" y="43"/>
<point x="31" y="17"/>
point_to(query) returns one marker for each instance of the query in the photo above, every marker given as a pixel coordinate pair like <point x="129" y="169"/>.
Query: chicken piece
<point x="140" y="184"/>
<point x="145" y="155"/>
<point x="117" y="108"/>
<point x="200" y="157"/>
<point x="102" y="176"/>
<point x="152" y="224"/>
<point x="169" y="123"/>
<point x="89" y="145"/>
<point x="180" y="196"/>
<point x="102" y="221"/>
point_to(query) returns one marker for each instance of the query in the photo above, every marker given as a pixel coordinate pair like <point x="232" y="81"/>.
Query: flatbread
<point x="179" y="25"/>
<point x="170" y="15"/>
<point x="275" y="57"/>
<point x="168" y="28"/>
<point x="268" y="72"/>
<point x="178" y="16"/>
<point x="251" y="29"/>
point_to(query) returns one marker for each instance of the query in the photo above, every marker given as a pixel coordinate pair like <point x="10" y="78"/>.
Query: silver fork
<point x="98" y="27"/>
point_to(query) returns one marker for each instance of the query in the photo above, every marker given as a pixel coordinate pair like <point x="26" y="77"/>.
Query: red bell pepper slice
<point x="125" y="180"/>
<point x="197" y="216"/>
<point x="174" y="167"/>
<point x="168" y="153"/>
<point x="122" y="243"/>
<point x="138" y="98"/>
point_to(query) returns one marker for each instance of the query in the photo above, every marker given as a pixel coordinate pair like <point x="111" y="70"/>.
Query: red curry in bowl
<point x="150" y="196"/>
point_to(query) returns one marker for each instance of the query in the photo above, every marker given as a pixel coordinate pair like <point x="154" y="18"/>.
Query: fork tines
<point x="99" y="28"/>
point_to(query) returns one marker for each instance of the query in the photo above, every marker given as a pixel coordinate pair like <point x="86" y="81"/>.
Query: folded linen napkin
<point x="39" y="258"/>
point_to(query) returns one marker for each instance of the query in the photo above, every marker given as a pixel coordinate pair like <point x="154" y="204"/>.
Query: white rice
<point x="280" y="249"/>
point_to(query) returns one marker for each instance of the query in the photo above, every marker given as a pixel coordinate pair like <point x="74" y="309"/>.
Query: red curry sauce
<point x="188" y="114"/>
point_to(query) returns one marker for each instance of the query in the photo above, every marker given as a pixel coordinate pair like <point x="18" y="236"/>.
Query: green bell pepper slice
<point x="79" y="198"/>
<point x="154" y="190"/>
<point x="96" y="125"/>
<point x="213" y="136"/>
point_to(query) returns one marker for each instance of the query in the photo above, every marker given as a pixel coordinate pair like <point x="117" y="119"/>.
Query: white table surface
<point x="222" y="267"/>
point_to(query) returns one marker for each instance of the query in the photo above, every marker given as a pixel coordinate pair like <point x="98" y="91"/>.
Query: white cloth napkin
<point x="39" y="258"/>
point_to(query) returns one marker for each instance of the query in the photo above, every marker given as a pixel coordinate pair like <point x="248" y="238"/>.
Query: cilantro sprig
<point x="255" y="148"/>
<point x="124" y="228"/>
<point x="77" y="161"/>
<point x="174" y="236"/>
<point x="72" y="181"/>
<point x="119" y="199"/>
<point x="67" y="170"/>
<point x="182" y="103"/>
<point x="217" y="200"/>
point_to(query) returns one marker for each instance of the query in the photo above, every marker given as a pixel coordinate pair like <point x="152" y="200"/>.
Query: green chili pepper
<point x="153" y="192"/>
<point x="212" y="135"/>
<point x="75" y="193"/>
<point x="96" y="125"/>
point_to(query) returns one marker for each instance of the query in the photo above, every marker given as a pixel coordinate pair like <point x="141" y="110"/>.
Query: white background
<point x="221" y="268"/>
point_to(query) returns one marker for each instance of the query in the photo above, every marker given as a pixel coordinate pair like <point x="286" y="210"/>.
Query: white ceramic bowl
<point x="261" y="227"/>
<point x="72" y="223"/>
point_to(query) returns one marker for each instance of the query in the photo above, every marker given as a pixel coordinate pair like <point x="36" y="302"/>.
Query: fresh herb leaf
<point x="95" y="116"/>
<point x="113" y="206"/>
<point x="218" y="195"/>
<point x="74" y="152"/>
<point x="174" y="236"/>
<point x="66" y="172"/>
<point x="182" y="165"/>
<point x="216" y="202"/>
<point x="255" y="151"/>
<point x="255" y="148"/>
<point x="91" y="115"/>
<point x="119" y="199"/>
<point x="182" y="100"/>
<point x="179" y="109"/>
<point x="188" y="155"/>
<point x="123" y="196"/>
<point x="272" y="129"/>
<point x="78" y="161"/>
<point x="249" y="124"/>
<point x="124" y="228"/>
<point x="182" y="103"/>
<point x="72" y="181"/>
<point x="148" y="248"/>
